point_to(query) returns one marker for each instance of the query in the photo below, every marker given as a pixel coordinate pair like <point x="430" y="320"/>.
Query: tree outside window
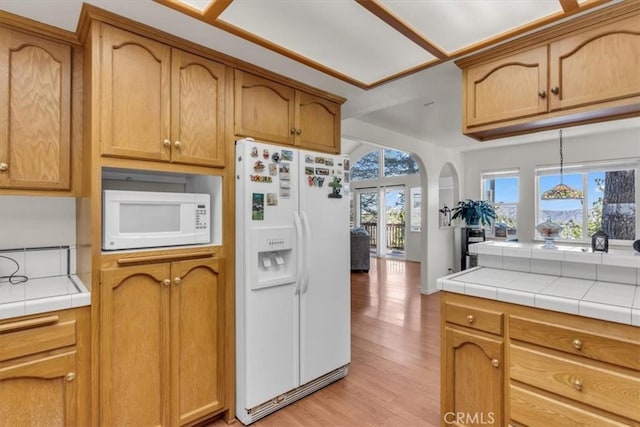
<point x="608" y="204"/>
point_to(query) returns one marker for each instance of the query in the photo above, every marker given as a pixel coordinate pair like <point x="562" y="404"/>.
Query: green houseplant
<point x="474" y="212"/>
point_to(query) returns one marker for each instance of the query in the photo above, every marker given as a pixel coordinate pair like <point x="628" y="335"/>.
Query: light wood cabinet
<point x="579" y="75"/>
<point x="162" y="360"/>
<point x="44" y="370"/>
<point x="35" y="126"/>
<point x="472" y="366"/>
<point x="272" y="112"/>
<point x="552" y="368"/>
<point x="159" y="103"/>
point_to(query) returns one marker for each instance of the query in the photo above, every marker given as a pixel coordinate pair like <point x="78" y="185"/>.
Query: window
<point x="366" y="168"/>
<point x="608" y="203"/>
<point x="397" y="163"/>
<point x="501" y="189"/>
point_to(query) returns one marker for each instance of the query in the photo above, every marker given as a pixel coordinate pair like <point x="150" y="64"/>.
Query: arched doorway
<point x="386" y="193"/>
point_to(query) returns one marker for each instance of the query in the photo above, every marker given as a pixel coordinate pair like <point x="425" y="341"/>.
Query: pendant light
<point x="561" y="191"/>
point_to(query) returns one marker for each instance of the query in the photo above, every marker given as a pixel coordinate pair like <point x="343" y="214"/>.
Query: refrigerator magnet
<point x="308" y="170"/>
<point x="272" y="199"/>
<point x="322" y="171"/>
<point x="273" y="169"/>
<point x="328" y="162"/>
<point x="320" y="160"/>
<point x="287" y="155"/>
<point x="275" y="157"/>
<point x="257" y="207"/>
<point x="254" y="152"/>
<point x="346" y="164"/>
<point x="258" y="166"/>
<point x="265" y="154"/>
<point x="285" y="193"/>
<point x="311" y="180"/>
<point x="308" y="158"/>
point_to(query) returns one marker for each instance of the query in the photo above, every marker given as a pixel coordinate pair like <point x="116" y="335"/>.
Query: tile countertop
<point x="616" y="302"/>
<point x="620" y="257"/>
<point x="52" y="283"/>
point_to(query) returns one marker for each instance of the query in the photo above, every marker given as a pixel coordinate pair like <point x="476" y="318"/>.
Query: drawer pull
<point x="166" y="282"/>
<point x="577" y="384"/>
<point x="577" y="344"/>
<point x="495" y="363"/>
<point x="28" y="324"/>
<point x="70" y="376"/>
<point x="177" y="280"/>
<point x="470" y="318"/>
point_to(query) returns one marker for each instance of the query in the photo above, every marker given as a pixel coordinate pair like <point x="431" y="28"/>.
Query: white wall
<point x="579" y="146"/>
<point x="30" y="222"/>
<point x="436" y="255"/>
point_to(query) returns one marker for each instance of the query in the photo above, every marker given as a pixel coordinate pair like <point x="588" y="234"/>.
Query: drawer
<point x="472" y="317"/>
<point x="615" y="391"/>
<point x="536" y="410"/>
<point x="29" y="336"/>
<point x="577" y="341"/>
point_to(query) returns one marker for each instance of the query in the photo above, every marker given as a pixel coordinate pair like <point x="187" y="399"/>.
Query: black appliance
<point x="469" y="236"/>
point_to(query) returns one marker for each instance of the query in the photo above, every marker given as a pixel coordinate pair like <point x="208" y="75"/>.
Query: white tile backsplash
<point x="43" y="263"/>
<point x="610" y="273"/>
<point x="8" y="267"/>
<point x="516" y="264"/>
<point x="544" y="266"/>
<point x="579" y="270"/>
<point x="491" y="261"/>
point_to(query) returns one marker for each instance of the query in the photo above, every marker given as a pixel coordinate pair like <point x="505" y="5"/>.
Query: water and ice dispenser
<point x="273" y="256"/>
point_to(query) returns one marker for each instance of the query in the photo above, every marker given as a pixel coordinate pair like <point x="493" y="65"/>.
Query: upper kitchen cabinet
<point x="490" y="88"/>
<point x="272" y="112"/>
<point x="159" y="103"/>
<point x="35" y="126"/>
<point x="596" y="66"/>
<point x="583" y="71"/>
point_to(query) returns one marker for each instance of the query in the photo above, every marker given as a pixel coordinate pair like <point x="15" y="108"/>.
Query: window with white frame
<point x="501" y="189"/>
<point x="608" y="200"/>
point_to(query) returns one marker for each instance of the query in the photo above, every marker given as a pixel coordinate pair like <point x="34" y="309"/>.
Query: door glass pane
<point x="369" y="215"/>
<point x="395" y="214"/>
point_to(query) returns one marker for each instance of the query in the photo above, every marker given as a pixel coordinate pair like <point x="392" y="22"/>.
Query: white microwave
<point x="145" y="219"/>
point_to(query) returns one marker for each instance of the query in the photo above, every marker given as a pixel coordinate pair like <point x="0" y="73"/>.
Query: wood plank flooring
<point x="394" y="376"/>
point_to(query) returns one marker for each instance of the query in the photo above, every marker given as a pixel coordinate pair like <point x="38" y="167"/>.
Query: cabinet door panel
<point x="134" y="338"/>
<point x="507" y="88"/>
<point x="596" y="66"/>
<point x="197" y="110"/>
<point x="264" y="109"/>
<point x="196" y="339"/>
<point x="473" y="374"/>
<point x="135" y="96"/>
<point x="318" y="123"/>
<point x="35" y="85"/>
<point x="39" y="392"/>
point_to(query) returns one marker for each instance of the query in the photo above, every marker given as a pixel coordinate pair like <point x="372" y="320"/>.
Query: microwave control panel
<point x="201" y="217"/>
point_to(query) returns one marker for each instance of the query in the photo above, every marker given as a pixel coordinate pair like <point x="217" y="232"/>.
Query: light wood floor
<point x="394" y="374"/>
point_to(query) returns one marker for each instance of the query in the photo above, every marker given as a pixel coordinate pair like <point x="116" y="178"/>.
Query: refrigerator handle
<point x="307" y="243"/>
<point x="300" y="251"/>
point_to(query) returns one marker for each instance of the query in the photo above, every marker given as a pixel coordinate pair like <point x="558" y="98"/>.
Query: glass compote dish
<point x="549" y="230"/>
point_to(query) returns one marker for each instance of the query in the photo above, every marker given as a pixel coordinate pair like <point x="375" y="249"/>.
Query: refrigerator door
<point x="267" y="293"/>
<point x="325" y="290"/>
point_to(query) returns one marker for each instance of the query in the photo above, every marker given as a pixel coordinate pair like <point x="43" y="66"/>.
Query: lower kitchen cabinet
<point x="472" y="376"/>
<point x="44" y="371"/>
<point x="161" y="343"/>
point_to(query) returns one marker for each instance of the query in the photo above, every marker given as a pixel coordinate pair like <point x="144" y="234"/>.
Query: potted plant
<point x="474" y="212"/>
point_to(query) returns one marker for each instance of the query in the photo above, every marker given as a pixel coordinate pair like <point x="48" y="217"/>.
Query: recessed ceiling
<point x="370" y="42"/>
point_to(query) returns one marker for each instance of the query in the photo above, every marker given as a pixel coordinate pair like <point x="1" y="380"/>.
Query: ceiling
<point x="391" y="59"/>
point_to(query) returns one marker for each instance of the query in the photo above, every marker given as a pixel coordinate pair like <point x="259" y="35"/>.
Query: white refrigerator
<point x="292" y="275"/>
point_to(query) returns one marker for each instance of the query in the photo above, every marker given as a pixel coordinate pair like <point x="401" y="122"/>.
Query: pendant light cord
<point x="561" y="158"/>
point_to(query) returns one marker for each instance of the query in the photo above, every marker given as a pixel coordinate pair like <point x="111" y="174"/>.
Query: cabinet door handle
<point x="166" y="143"/>
<point x="577" y="344"/>
<point x="177" y="281"/>
<point x="177" y="144"/>
<point x="166" y="282"/>
<point x="293" y="131"/>
<point x="3" y="166"/>
<point x="542" y="94"/>
<point x="298" y="131"/>
<point x="495" y="363"/>
<point x="470" y="318"/>
<point x="555" y="90"/>
<point x="70" y="376"/>
<point x="577" y="384"/>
